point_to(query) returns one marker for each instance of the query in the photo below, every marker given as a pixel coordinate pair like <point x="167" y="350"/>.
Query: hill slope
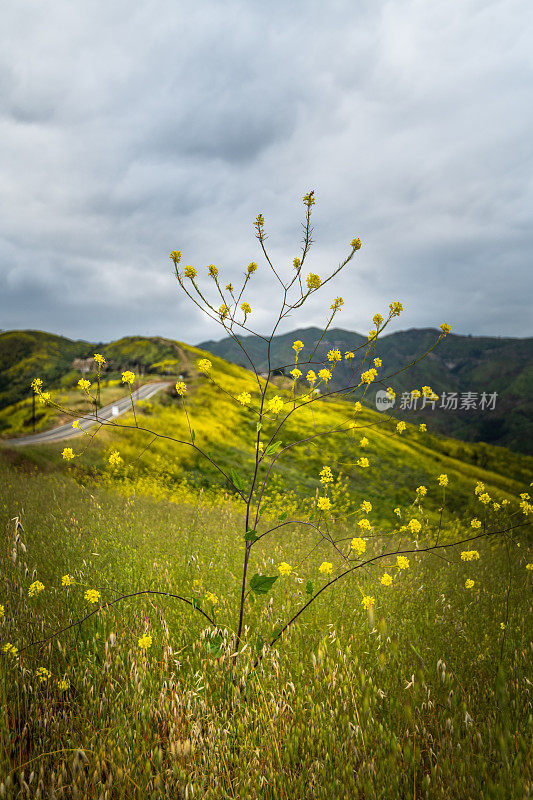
<point x="458" y="364"/>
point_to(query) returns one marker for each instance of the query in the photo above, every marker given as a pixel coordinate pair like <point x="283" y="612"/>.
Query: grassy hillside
<point x="458" y="364"/>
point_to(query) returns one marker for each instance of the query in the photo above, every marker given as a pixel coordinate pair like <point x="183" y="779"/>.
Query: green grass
<point x="426" y="697"/>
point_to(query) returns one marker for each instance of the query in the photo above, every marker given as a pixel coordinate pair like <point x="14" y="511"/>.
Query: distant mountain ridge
<point x="459" y="364"/>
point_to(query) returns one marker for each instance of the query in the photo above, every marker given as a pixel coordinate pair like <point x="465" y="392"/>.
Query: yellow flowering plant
<point x="268" y="403"/>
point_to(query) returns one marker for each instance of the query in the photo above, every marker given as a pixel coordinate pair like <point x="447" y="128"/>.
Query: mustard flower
<point x="357" y="407"/>
<point x="84" y="384"/>
<point x="396" y="308"/>
<point x="502" y="626"/>
<point x="296" y="263"/>
<point x="284" y="568"/>
<point x="67" y="580"/>
<point x="190" y="272"/>
<point x="76" y="424"/>
<point x="43" y="674"/>
<point x="378" y="362"/>
<point x="369" y="375"/>
<point x="45" y="397"/>
<point x="259" y="221"/>
<point x="524" y="496"/>
<point x="423" y="427"/>
<point x="204" y="365"/>
<point x="311" y="377"/>
<point x="181" y="388"/>
<point x="334" y="355"/>
<point x="246" y="308"/>
<point x="251" y="268"/>
<point x="2" y="610"/>
<point x="390" y="391"/>
<point x="475" y="523"/>
<point x="337" y="303"/>
<point x="297" y="346"/>
<point x="385" y="579"/>
<point x="176" y="256"/>
<point x="401" y="426"/>
<point x="296" y="373"/>
<point x="275" y="404"/>
<point x="480" y="487"/>
<point x="397" y="512"/>
<point x="366" y="506"/>
<point x="527" y="508"/>
<point x="128" y="377"/>
<point x="35" y="588"/>
<point x="313" y="281"/>
<point x="10" y="649"/>
<point x="414" y="526"/>
<point x="445" y="328"/>
<point x="443" y="480"/>
<point x="324" y="375"/>
<point x="469" y="555"/>
<point x="115" y="459"/>
<point x="372" y="334"/>
<point x="213" y="271"/>
<point x="484" y="498"/>
<point x="421" y="491"/>
<point x="529" y="567"/>
<point x="326" y="568"/>
<point x="92" y="595"/>
<point x="367" y="601"/>
<point x="68" y="453"/>
<point x="356" y="244"/>
<point x="100" y="360"/>
<point x="145" y="641"/>
<point x="323" y="503"/>
<point x="496" y="506"/>
<point x="364" y="524"/>
<point x="63" y="685"/>
<point x="223" y="311"/>
<point x="244" y="398"/>
<point x="37" y="384"/>
<point x="363" y="462"/>
<point x="211" y="598"/>
<point x="326" y="475"/>
<point x="427" y="391"/>
<point x="402" y="562"/>
<point x="229" y="287"/>
<point x="358" y="545"/>
<point x="469" y="583"/>
<point x="415" y="393"/>
<point x="349" y="354"/>
<point x="363" y="442"/>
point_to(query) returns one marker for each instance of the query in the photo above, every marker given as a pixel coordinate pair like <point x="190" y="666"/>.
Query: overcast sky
<point x="129" y="129"/>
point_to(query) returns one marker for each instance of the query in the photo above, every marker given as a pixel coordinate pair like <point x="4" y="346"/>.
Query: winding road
<point x="110" y="412"/>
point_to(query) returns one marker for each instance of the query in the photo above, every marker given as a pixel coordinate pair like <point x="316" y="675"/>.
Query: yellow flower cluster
<point x="251" y="268"/>
<point x="313" y="281"/>
<point x="275" y="404"/>
<point x="284" y="568"/>
<point x="469" y="555"/>
<point x="92" y="595"/>
<point x="176" y="256"/>
<point x="366" y="506"/>
<point x="395" y="308"/>
<point x="244" y="398"/>
<point x="84" y="384"/>
<point x="204" y="365"/>
<point x="145" y="641"/>
<point x="443" y="480"/>
<point x="349" y="354"/>
<point x="128" y="377"/>
<point x="357" y="407"/>
<point x="297" y="346"/>
<point x="323" y="503"/>
<point x="100" y="360"/>
<point x="364" y="524"/>
<point x="402" y="562"/>
<point x="223" y="311"/>
<point x="67" y="580"/>
<point x="367" y="601"/>
<point x="422" y="427"/>
<point x="245" y="308"/>
<point x="445" y="328"/>
<point x="35" y="588"/>
<point x="377" y="319"/>
<point x="421" y="491"/>
<point x="190" y="272"/>
<point x="475" y="523"/>
<point x="337" y="303"/>
<point x="213" y="271"/>
<point x="115" y="459"/>
<point x="10" y="649"/>
<point x="181" y="388"/>
<point x="296" y="373"/>
<point x="358" y="545"/>
<point x="326" y="568"/>
<point x="63" y="685"/>
<point x="324" y="375"/>
<point x="378" y="362"/>
<point x="42" y="674"/>
<point x="326" y="475"/>
<point x="469" y="583"/>
<point x="363" y="462"/>
<point x="369" y="375"/>
<point x="68" y="453"/>
<point x="414" y="526"/>
<point x="211" y="598"/>
<point x="385" y="579"/>
<point x="356" y="244"/>
<point x="334" y="355"/>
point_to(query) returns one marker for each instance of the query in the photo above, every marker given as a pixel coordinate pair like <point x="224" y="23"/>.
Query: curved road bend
<point x="105" y="414"/>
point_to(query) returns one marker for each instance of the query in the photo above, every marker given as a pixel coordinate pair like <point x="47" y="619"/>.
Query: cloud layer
<point x="129" y="130"/>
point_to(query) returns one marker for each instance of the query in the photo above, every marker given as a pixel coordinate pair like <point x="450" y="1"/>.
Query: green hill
<point x="459" y="364"/>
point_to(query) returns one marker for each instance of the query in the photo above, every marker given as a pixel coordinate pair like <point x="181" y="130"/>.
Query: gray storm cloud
<point x="130" y="130"/>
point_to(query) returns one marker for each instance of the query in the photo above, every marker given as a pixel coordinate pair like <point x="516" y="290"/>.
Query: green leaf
<point x="283" y="516"/>
<point x="309" y="588"/>
<point x="237" y="481"/>
<point x="214" y="645"/>
<point x="273" y="448"/>
<point x="261" y="584"/>
<point x="251" y="536"/>
<point x="196" y="603"/>
<point x="193" y="436"/>
<point x="258" y="426"/>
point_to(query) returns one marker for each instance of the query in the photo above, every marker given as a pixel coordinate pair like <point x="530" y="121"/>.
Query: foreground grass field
<point x="428" y="695"/>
